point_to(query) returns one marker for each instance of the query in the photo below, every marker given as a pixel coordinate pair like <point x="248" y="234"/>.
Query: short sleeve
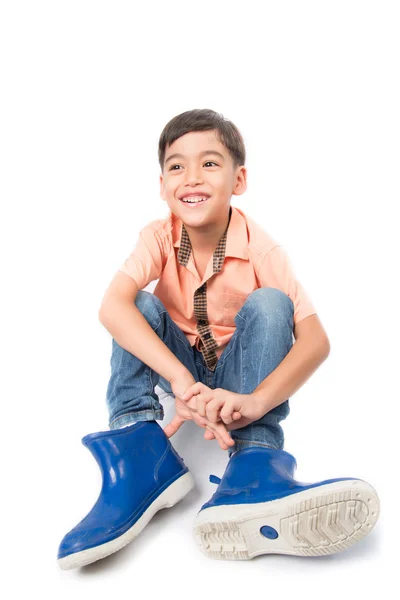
<point x="146" y="261"/>
<point x="276" y="271"/>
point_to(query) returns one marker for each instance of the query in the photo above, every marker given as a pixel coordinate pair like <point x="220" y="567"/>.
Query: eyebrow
<point x="177" y="155"/>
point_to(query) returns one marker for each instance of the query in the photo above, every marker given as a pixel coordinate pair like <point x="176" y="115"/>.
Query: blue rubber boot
<point x="259" y="508"/>
<point x="142" y="473"/>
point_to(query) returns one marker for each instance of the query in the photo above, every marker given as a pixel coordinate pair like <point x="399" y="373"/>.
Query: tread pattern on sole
<point x="323" y="524"/>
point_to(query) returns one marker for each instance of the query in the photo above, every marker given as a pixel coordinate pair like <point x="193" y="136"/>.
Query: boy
<point x="218" y="334"/>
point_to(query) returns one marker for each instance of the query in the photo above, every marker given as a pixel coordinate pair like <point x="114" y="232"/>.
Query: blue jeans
<point x="261" y="340"/>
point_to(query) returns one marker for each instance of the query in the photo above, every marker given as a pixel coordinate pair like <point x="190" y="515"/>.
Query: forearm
<point x="124" y="321"/>
<point x="296" y="368"/>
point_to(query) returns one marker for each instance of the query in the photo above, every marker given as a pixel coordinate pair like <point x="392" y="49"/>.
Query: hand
<point x="187" y="411"/>
<point x="235" y="410"/>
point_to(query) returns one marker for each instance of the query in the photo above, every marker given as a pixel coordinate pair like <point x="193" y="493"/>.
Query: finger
<point x="236" y="415"/>
<point x="201" y="401"/>
<point x="192" y="389"/>
<point x="219" y="439"/>
<point x="213" y="408"/>
<point x="227" y="412"/>
<point x="200" y="421"/>
<point x="208" y="434"/>
<point x="239" y="424"/>
<point x="222" y="432"/>
<point x="173" y="427"/>
<point x="191" y="404"/>
<point x="223" y="442"/>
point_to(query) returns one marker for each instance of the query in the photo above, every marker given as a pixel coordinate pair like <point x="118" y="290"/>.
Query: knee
<point x="150" y="306"/>
<point x="270" y="301"/>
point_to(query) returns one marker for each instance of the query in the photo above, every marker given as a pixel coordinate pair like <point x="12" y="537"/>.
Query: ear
<point x="162" y="188"/>
<point x="240" y="181"/>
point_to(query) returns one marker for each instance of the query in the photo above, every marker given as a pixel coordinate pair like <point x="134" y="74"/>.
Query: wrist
<point x="262" y="400"/>
<point x="180" y="372"/>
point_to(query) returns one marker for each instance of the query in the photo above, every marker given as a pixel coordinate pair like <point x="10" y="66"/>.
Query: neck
<point x="205" y="242"/>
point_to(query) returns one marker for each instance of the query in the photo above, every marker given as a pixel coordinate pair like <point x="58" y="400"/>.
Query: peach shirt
<point x="253" y="259"/>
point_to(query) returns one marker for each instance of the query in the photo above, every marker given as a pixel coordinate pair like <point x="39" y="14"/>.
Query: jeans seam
<point x="253" y="443"/>
<point x="171" y="329"/>
<point x="182" y="343"/>
<point x="136" y="413"/>
<point x="119" y="370"/>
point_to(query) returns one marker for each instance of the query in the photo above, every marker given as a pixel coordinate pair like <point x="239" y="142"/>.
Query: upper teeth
<point x="194" y="199"/>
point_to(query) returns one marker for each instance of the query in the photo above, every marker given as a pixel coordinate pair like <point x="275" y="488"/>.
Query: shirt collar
<point x="233" y="242"/>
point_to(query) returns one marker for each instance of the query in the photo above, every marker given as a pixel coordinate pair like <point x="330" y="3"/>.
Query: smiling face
<point x="203" y="167"/>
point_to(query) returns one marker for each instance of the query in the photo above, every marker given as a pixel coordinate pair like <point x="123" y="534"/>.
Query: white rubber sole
<point x="321" y="520"/>
<point x="170" y="496"/>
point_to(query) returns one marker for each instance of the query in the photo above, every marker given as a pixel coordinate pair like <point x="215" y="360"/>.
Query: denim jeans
<point x="261" y="340"/>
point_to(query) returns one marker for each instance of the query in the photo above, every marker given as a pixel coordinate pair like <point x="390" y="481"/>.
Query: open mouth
<point x="193" y="202"/>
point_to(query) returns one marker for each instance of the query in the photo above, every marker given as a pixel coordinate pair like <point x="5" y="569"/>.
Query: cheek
<point x="171" y="187"/>
<point x="220" y="181"/>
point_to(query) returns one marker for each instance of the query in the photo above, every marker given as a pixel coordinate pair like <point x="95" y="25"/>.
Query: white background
<point x="86" y="89"/>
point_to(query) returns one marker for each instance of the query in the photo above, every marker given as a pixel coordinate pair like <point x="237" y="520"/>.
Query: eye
<point x="208" y="162"/>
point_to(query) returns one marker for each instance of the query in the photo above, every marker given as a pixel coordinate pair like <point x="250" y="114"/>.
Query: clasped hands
<point x="217" y="411"/>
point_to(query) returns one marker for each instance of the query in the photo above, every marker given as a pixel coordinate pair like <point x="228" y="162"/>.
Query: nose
<point x="193" y="175"/>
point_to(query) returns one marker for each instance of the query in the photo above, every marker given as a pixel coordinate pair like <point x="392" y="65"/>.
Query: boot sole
<point x="318" y="521"/>
<point x="169" y="497"/>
